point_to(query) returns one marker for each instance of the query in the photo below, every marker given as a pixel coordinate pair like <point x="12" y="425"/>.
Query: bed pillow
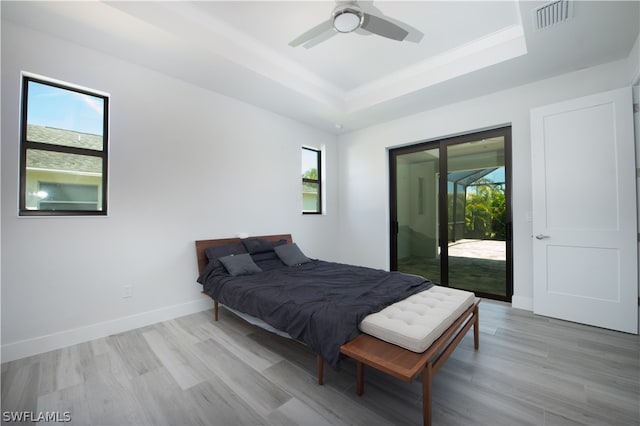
<point x="215" y="267"/>
<point x="267" y="260"/>
<point x="214" y="253"/>
<point x="262" y="253"/>
<point x="240" y="264"/>
<point x="258" y="245"/>
<point x="291" y="254"/>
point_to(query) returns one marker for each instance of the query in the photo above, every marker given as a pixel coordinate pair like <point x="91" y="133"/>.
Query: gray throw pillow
<point x="240" y="264"/>
<point x="290" y="254"/>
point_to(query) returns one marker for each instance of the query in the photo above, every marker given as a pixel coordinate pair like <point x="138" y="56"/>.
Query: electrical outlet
<point x="127" y="291"/>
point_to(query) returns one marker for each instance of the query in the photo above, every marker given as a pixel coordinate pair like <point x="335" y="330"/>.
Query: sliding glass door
<point x="415" y="237"/>
<point x="450" y="212"/>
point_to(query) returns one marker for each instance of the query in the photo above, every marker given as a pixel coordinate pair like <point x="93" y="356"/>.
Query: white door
<point x="584" y="211"/>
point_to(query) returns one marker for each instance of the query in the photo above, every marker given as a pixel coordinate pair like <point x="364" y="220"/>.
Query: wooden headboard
<point x="203" y="244"/>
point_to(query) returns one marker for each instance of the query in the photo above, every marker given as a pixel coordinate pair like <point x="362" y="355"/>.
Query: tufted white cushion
<point x="417" y="321"/>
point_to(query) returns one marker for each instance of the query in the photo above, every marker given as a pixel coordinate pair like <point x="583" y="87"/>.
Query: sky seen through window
<point x="65" y="109"/>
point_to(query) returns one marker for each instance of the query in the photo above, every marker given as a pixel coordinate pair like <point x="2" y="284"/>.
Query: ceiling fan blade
<point x="312" y="33"/>
<point x="319" y="39"/>
<point x="383" y="28"/>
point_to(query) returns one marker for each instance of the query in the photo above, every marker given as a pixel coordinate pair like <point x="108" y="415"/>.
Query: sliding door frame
<point x="443" y="237"/>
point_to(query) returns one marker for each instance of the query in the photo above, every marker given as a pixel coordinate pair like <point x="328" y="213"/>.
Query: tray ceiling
<point x="455" y="50"/>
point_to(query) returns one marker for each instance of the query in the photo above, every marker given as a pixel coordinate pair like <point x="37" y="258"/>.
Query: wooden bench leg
<point x="359" y="378"/>
<point x="320" y="366"/>
<point x="476" y="328"/>
<point x="427" y="376"/>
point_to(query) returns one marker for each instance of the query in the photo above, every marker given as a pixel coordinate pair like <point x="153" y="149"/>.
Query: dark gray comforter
<point x="319" y="303"/>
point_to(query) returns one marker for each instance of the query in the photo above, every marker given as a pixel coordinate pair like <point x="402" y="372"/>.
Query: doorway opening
<point x="450" y="212"/>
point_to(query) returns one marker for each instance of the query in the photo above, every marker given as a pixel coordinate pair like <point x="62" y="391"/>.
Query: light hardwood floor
<point x="192" y="370"/>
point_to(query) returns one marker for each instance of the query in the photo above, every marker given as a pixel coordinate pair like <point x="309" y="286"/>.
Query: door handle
<point x="541" y="236"/>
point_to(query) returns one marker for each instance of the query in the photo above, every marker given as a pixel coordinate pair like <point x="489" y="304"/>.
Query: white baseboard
<point x="41" y="344"/>
<point x="520" y="302"/>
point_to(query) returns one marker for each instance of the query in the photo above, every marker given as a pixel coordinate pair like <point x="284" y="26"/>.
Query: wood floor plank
<point x="326" y="400"/>
<point x="20" y="388"/>
<point x="69" y="400"/>
<point x="396" y="401"/>
<point x="218" y="404"/>
<point x="613" y="407"/>
<point x="133" y="349"/>
<point x="260" y="393"/>
<point x="302" y="357"/>
<point x="112" y="402"/>
<point x="198" y="325"/>
<point x="295" y="412"/>
<point x="244" y="348"/>
<point x="552" y="419"/>
<point x="162" y="400"/>
<point x="106" y="365"/>
<point x="61" y="368"/>
<point x="179" y="366"/>
<point x="481" y="403"/>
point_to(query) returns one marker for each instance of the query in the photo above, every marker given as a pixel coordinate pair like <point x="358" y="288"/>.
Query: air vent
<point x="552" y="13"/>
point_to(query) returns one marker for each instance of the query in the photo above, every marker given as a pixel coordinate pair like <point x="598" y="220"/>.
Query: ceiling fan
<point x="348" y="17"/>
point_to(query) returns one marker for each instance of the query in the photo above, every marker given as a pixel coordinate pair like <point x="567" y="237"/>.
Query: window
<point x="311" y="181"/>
<point x="63" y="156"/>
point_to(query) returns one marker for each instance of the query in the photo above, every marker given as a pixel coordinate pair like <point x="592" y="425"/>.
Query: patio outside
<point x="474" y="265"/>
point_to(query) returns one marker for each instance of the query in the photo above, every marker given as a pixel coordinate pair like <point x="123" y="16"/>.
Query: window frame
<point x="315" y="181"/>
<point x="26" y="145"/>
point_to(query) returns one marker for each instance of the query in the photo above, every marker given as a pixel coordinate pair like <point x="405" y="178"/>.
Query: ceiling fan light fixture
<point x="347" y="20"/>
<point x="347" y="17"/>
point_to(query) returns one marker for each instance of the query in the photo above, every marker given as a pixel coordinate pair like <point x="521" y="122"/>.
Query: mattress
<point x="417" y="321"/>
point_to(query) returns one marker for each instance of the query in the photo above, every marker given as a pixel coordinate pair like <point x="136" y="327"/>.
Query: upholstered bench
<point x="416" y="322"/>
<point x="415" y="336"/>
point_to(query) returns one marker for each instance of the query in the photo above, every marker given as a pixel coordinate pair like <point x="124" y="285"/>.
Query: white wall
<point x="185" y="164"/>
<point x="363" y="157"/>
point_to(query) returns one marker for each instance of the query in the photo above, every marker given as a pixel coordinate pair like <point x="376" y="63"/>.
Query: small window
<point x="311" y="181"/>
<point x="63" y="162"/>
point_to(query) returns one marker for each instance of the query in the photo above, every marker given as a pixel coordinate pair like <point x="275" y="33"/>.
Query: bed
<point x="398" y="323"/>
